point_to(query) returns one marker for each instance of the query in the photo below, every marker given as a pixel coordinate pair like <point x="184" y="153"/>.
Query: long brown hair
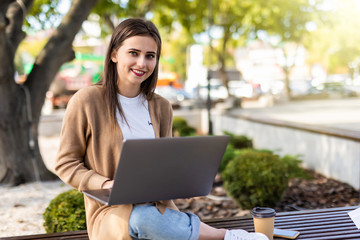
<point x="126" y="29"/>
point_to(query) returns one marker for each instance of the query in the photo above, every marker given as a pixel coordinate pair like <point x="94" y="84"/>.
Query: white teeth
<point x="138" y="72"/>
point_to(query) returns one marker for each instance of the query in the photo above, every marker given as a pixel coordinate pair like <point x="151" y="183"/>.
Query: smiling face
<point x="135" y="61"/>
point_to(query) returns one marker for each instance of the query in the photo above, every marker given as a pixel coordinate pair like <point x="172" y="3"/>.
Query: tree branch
<point x="145" y="8"/>
<point x="108" y="21"/>
<point x="57" y="51"/>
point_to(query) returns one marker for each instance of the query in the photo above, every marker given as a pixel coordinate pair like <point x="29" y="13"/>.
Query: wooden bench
<point x="320" y="224"/>
<point x="81" y="235"/>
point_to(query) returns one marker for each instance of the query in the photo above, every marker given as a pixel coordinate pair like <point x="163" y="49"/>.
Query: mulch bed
<point x="315" y="193"/>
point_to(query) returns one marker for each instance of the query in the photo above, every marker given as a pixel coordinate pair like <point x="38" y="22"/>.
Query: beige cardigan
<point x="89" y="152"/>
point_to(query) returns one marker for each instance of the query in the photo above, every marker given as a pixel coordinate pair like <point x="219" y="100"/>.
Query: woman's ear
<point x="114" y="57"/>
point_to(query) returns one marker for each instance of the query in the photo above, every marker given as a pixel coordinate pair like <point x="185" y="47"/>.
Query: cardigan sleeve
<point x="69" y="164"/>
<point x="166" y="121"/>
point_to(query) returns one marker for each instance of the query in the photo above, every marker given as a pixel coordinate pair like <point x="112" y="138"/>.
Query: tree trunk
<point x="287" y="68"/>
<point x="222" y="57"/>
<point x="20" y="159"/>
<point x="20" y="106"/>
<point x="287" y="83"/>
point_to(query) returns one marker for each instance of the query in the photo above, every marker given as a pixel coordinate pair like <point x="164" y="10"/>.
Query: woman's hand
<point x="108" y="184"/>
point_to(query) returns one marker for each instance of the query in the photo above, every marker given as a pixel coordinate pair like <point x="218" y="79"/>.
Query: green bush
<point x="66" y="212"/>
<point x="181" y="128"/>
<point x="229" y="154"/>
<point x="239" y="141"/>
<point x="236" y="143"/>
<point x="259" y="177"/>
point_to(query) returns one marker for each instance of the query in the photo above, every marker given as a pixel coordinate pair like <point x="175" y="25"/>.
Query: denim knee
<point x="146" y="222"/>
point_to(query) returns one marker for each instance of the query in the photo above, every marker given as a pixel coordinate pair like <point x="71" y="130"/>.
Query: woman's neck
<point x="129" y="91"/>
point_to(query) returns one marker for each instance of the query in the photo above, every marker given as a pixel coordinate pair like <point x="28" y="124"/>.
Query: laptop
<point x="163" y="169"/>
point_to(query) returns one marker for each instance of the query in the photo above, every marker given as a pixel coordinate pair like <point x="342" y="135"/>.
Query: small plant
<point x="239" y="141"/>
<point x="259" y="177"/>
<point x="181" y="128"/>
<point x="292" y="164"/>
<point x="66" y="212"/>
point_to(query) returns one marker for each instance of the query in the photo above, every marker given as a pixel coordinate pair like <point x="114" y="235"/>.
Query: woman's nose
<point x="141" y="61"/>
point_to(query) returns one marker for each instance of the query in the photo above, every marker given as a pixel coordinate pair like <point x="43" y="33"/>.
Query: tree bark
<point x="20" y="106"/>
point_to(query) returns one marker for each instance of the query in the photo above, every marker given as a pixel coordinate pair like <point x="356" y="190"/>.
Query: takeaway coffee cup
<point x="264" y="221"/>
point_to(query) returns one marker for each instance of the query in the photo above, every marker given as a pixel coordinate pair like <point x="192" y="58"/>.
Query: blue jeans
<point x="146" y="222"/>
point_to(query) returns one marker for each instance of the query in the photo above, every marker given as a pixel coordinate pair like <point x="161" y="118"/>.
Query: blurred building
<point x="262" y="64"/>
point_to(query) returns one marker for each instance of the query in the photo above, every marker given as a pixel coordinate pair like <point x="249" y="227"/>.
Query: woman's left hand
<point x="108" y="184"/>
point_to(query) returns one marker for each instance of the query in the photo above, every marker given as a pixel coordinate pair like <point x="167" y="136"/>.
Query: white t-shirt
<point x="136" y="111"/>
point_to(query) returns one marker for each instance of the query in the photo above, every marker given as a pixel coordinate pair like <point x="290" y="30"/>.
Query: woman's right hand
<point x="108" y="184"/>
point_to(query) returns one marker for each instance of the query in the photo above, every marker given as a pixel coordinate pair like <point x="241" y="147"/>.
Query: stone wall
<point x="331" y="152"/>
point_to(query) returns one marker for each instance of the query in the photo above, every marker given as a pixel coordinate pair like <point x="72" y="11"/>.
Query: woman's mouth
<point x="138" y="72"/>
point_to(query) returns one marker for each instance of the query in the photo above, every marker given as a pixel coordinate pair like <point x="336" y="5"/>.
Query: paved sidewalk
<point x="336" y="113"/>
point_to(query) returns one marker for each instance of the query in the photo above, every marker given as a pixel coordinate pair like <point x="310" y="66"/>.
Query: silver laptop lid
<point x="167" y="168"/>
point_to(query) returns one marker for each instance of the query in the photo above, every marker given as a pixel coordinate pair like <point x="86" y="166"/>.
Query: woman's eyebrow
<point x="134" y="49"/>
<point x="137" y="50"/>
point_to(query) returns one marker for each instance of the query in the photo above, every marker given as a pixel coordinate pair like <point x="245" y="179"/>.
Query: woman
<point x="123" y="105"/>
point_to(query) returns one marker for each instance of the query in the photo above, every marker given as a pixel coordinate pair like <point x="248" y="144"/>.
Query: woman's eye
<point x="151" y="56"/>
<point x="133" y="53"/>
